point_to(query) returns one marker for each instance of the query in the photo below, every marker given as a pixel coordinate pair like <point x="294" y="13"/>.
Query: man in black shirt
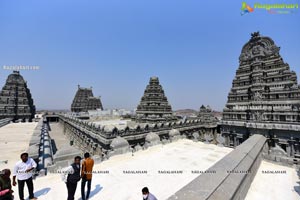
<point x="71" y="176"/>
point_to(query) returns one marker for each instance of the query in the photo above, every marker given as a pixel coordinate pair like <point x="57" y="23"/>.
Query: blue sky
<point x="117" y="45"/>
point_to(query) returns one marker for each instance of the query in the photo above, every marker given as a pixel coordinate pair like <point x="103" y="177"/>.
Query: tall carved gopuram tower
<point x="15" y="99"/>
<point x="265" y="96"/>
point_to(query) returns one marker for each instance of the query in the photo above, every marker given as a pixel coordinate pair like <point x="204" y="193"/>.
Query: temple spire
<point x="84" y="101"/>
<point x="263" y="82"/>
<point x="154" y="106"/>
<point x="15" y="99"/>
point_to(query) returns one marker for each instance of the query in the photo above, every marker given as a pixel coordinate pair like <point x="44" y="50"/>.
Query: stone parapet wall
<point x="94" y="137"/>
<point x="110" y="132"/>
<point x="283" y="139"/>
<point x="263" y="125"/>
<point x="5" y="121"/>
<point x="232" y="175"/>
<point x="35" y="141"/>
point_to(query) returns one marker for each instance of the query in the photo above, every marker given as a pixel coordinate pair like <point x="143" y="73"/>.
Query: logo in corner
<point x="246" y="8"/>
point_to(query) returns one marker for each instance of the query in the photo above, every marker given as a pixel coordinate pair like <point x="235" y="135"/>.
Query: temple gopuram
<point x="153" y="124"/>
<point x="84" y="100"/>
<point x="16" y="102"/>
<point x="264" y="98"/>
<point x="154" y="106"/>
<point x="206" y="116"/>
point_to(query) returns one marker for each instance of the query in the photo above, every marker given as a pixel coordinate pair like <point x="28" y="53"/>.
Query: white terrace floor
<point x="14" y="140"/>
<point x="183" y="155"/>
<point x="266" y="185"/>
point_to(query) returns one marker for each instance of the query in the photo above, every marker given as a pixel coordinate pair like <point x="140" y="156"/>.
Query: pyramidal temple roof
<point x="15" y="99"/>
<point x="84" y="100"/>
<point x="264" y="88"/>
<point x="154" y="105"/>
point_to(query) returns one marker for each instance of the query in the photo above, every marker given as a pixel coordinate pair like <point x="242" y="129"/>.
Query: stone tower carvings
<point x="206" y="115"/>
<point x="154" y="106"/>
<point x="264" y="88"/>
<point x="15" y="99"/>
<point x="84" y="100"/>
<point x="264" y="98"/>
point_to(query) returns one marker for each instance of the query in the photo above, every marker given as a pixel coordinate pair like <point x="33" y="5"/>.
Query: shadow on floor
<point x="95" y="191"/>
<point x="41" y="192"/>
<point x="297" y="188"/>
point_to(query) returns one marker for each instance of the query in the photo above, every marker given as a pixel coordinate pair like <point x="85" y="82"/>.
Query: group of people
<point x="79" y="170"/>
<point x="24" y="171"/>
<point x="71" y="176"/>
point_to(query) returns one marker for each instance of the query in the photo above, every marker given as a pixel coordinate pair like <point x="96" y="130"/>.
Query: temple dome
<point x="119" y="143"/>
<point x="151" y="137"/>
<point x="15" y="77"/>
<point x="258" y="47"/>
<point x="174" y="132"/>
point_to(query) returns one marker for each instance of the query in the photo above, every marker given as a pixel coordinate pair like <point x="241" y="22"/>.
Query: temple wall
<point x="233" y="174"/>
<point x="33" y="149"/>
<point x="40" y="147"/>
<point x="88" y="135"/>
<point x="283" y="145"/>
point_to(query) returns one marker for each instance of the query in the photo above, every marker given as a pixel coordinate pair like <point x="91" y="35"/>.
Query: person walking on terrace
<point x="86" y="175"/>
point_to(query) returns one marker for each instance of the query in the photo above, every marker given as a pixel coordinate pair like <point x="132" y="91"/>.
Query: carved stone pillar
<point x="227" y="140"/>
<point x="288" y="150"/>
<point x="234" y="141"/>
<point x="296" y="146"/>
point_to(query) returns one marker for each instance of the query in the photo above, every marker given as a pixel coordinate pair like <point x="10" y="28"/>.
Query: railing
<point x="231" y="177"/>
<point x="5" y="121"/>
<point x="264" y="125"/>
<point x="106" y="134"/>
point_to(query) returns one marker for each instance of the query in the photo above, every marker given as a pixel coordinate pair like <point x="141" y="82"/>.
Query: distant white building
<point x="109" y="113"/>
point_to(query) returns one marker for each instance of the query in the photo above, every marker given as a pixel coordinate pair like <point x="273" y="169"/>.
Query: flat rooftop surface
<point x="274" y="182"/>
<point x="14" y="140"/>
<point x="119" y="123"/>
<point x="123" y="176"/>
<point x="112" y="122"/>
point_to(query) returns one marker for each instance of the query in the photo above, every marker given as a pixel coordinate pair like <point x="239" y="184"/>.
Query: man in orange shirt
<point x="86" y="175"/>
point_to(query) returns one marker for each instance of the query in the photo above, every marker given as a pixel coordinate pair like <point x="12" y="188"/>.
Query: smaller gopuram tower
<point x="206" y="115"/>
<point x="84" y="100"/>
<point x="154" y="106"/>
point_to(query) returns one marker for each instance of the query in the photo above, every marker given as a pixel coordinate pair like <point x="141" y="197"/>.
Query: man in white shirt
<point x="23" y="171"/>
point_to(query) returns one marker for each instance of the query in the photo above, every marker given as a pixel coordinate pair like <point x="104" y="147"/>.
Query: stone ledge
<point x="4" y="122"/>
<point x="222" y="184"/>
